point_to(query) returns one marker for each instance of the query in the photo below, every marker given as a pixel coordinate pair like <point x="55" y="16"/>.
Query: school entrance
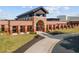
<point x="40" y="26"/>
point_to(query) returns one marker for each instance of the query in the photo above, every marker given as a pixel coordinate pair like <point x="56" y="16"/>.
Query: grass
<point x="9" y="43"/>
<point x="69" y="30"/>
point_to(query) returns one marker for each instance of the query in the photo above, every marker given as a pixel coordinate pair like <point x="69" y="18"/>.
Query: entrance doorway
<point x="40" y="26"/>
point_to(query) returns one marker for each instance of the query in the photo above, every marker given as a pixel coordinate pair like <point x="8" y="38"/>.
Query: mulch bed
<point x="29" y="44"/>
<point x="56" y="33"/>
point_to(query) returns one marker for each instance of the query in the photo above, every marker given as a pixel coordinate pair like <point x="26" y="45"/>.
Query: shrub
<point x="47" y="31"/>
<point x="33" y="33"/>
<point x="1" y="31"/>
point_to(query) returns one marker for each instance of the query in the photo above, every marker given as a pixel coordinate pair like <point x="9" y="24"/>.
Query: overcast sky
<point x="10" y="12"/>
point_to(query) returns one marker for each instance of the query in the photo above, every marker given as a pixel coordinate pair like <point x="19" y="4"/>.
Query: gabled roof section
<point x="34" y="10"/>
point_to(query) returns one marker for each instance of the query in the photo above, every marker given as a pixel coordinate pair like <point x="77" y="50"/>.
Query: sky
<point x="10" y="12"/>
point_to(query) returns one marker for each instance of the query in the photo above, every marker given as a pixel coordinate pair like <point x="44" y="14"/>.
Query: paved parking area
<point x="68" y="43"/>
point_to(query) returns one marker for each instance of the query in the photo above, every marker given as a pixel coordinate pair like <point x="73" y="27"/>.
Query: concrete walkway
<point x="43" y="46"/>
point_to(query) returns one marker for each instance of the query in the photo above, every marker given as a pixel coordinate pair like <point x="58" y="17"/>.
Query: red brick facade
<point x="48" y="25"/>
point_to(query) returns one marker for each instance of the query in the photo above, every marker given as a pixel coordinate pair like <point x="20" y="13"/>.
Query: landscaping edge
<point x="23" y="48"/>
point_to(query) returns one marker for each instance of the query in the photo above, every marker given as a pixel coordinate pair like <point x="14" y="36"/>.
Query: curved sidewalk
<point x="43" y="46"/>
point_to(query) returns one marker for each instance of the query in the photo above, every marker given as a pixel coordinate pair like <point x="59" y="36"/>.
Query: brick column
<point x="18" y="29"/>
<point x="70" y="26"/>
<point x="48" y="27"/>
<point x="45" y="28"/>
<point x="66" y="26"/>
<point x="6" y="28"/>
<point x="34" y="28"/>
<point x="59" y="26"/>
<point x="10" y="30"/>
<point x="52" y="27"/>
<point x="55" y="26"/>
<point x="63" y="26"/>
<point x="25" y="29"/>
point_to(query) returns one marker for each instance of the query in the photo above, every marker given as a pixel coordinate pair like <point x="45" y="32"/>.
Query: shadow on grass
<point x="29" y="44"/>
<point x="71" y="42"/>
<point x="56" y="33"/>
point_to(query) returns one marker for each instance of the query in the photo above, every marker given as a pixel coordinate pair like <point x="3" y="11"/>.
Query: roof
<point x="33" y="11"/>
<point x="52" y="19"/>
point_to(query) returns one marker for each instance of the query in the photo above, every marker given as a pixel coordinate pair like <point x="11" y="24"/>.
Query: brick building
<point x="34" y="20"/>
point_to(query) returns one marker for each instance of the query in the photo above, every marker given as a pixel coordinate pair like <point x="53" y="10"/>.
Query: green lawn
<point x="9" y="43"/>
<point x="69" y="30"/>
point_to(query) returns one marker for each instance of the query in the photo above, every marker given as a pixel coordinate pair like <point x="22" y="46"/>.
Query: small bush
<point x="1" y="31"/>
<point x="33" y="33"/>
<point x="47" y="31"/>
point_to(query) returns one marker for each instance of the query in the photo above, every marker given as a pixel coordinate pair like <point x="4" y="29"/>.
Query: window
<point x="37" y="15"/>
<point x="50" y="27"/>
<point x="29" y="28"/>
<point x="54" y="27"/>
<point x="22" y="28"/>
<point x="44" y="15"/>
<point x="14" y="29"/>
<point x="41" y="15"/>
<point x="2" y="28"/>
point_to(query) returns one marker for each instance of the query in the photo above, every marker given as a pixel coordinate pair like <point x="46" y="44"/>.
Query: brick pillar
<point x="66" y="26"/>
<point x="63" y="26"/>
<point x="25" y="29"/>
<point x="34" y="28"/>
<point x="78" y="24"/>
<point x="10" y="30"/>
<point x="48" y="27"/>
<point x="18" y="29"/>
<point x="6" y="28"/>
<point x="70" y="26"/>
<point x="55" y="26"/>
<point x="59" y="26"/>
<point x="52" y="27"/>
<point x="45" y="28"/>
